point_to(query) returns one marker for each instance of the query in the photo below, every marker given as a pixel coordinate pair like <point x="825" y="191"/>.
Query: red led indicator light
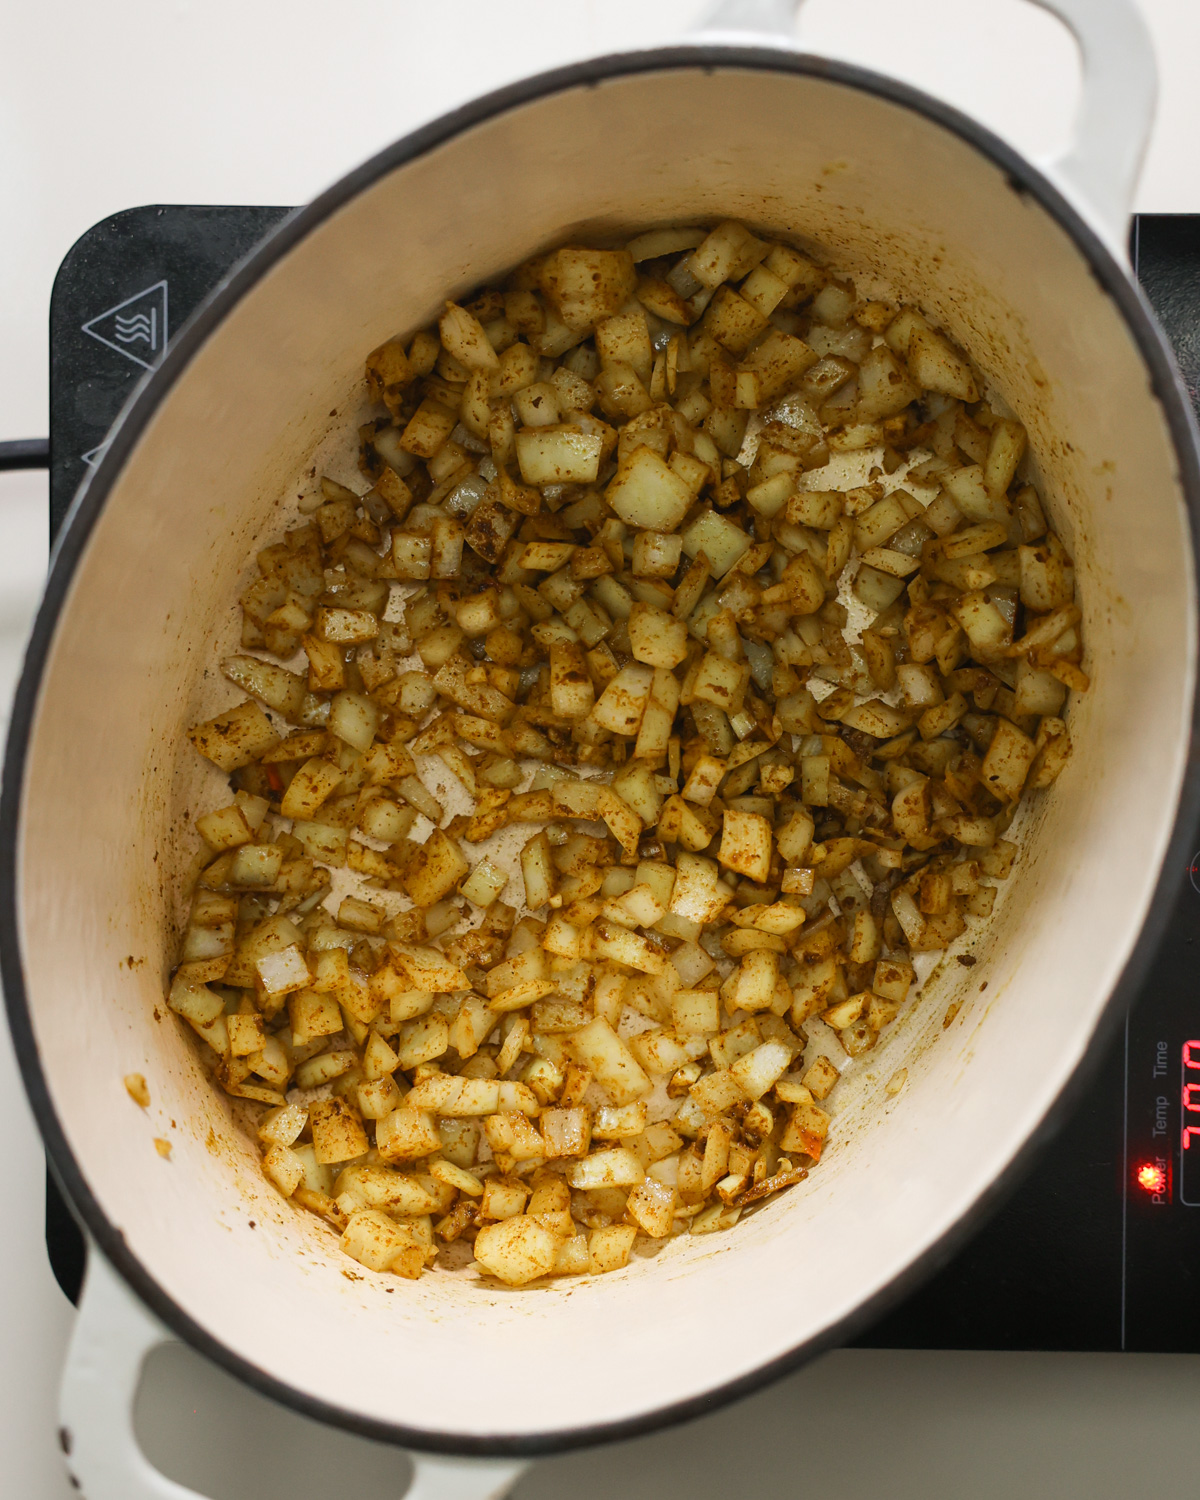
<point x="1151" y="1178"/>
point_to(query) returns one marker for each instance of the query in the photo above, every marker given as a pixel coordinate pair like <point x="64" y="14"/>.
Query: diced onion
<point x="603" y="579"/>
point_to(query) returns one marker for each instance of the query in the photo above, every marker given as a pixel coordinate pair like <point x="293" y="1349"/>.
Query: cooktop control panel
<point x="1099" y="1248"/>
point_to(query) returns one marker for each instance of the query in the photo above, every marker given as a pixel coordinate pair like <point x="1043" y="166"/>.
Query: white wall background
<point x="107" y="105"/>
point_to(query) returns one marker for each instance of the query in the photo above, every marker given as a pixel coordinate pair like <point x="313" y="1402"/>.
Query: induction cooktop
<point x="1099" y="1248"/>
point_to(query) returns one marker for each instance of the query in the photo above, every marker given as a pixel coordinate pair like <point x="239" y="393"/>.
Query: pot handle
<point x="112" y="1337"/>
<point x="1099" y="170"/>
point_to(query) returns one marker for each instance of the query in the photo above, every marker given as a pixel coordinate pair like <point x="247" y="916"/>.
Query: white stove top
<point x="265" y="101"/>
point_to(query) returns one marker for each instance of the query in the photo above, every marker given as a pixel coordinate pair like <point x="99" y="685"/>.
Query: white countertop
<point x="105" y="106"/>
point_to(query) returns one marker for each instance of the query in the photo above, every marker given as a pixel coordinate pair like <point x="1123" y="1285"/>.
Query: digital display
<point x="1189" y="1124"/>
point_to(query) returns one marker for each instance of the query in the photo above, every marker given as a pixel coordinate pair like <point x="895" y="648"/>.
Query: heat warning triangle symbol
<point x="137" y="327"/>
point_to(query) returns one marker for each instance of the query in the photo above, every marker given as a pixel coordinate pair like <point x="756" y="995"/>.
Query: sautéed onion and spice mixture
<point x="711" y="588"/>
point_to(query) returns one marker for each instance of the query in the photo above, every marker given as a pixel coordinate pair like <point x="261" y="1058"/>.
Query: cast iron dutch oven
<point x="1026" y="267"/>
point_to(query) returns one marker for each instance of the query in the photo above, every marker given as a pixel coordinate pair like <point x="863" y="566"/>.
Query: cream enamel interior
<point x="108" y="791"/>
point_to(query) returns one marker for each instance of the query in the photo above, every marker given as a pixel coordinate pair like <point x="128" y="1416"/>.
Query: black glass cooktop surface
<point x="1099" y="1248"/>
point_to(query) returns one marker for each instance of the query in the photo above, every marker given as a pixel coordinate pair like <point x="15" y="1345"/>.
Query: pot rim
<point x="1166" y="386"/>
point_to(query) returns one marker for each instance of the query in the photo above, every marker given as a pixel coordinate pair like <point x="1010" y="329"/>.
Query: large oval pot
<point x="99" y="795"/>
